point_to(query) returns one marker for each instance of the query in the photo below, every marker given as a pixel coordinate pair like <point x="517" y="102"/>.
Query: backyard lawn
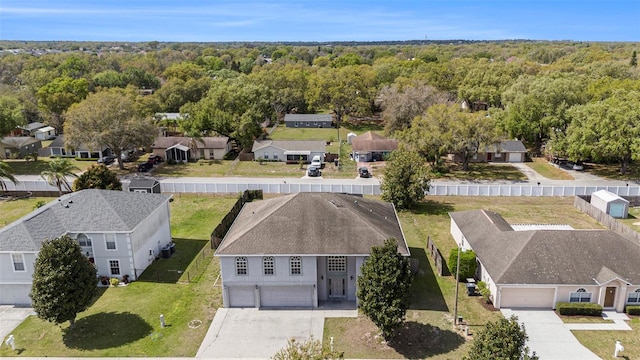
<point x="15" y="209"/>
<point x="481" y="171"/>
<point x="544" y="168"/>
<point x="23" y="167"/>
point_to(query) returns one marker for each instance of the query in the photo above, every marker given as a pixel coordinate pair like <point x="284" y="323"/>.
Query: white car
<point x="316" y="162"/>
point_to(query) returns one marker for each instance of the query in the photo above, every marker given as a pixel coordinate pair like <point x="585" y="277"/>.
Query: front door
<point x="337" y="288"/>
<point x="610" y="297"/>
<point x="489" y="156"/>
<point x="337" y="276"/>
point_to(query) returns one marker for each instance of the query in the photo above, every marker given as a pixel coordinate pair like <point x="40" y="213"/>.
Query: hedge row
<point x="633" y="309"/>
<point x="578" y="308"/>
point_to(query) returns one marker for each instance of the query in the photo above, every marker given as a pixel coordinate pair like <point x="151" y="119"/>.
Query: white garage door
<point x="241" y="296"/>
<point x="15" y="294"/>
<point x="516" y="157"/>
<point x="286" y="296"/>
<point x="527" y="298"/>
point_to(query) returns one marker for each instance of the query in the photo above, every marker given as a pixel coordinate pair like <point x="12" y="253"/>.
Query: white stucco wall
<point x="16" y="285"/>
<point x="255" y="274"/>
<point x="149" y="236"/>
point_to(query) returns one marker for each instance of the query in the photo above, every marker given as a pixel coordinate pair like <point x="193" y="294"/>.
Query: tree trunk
<point x="120" y="163"/>
<point x="624" y="165"/>
<point x="72" y="323"/>
<point x="465" y="162"/>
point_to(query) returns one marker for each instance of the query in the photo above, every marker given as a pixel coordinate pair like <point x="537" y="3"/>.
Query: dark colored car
<point x="363" y="172"/>
<point x="109" y="159"/>
<point x="144" y="167"/>
<point x="313" y="171"/>
<point x="155" y="159"/>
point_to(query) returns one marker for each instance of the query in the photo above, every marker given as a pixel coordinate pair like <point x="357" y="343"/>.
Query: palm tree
<point x="6" y="172"/>
<point x="57" y="174"/>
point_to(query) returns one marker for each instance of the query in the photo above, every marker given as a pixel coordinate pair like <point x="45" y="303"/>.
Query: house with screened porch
<point x="303" y="249"/>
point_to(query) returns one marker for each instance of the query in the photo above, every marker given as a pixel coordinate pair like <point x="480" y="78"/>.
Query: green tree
<point x="59" y="170"/>
<point x="405" y="179"/>
<point x="11" y="114"/>
<point x="467" y="133"/>
<point x="429" y="133"/>
<point x="468" y="263"/>
<point x="64" y="281"/>
<point x="108" y="118"/>
<point x="503" y="339"/>
<point x="6" y="172"/>
<point x="634" y="59"/>
<point x="383" y="287"/>
<point x="311" y="349"/>
<point x="57" y="96"/>
<point x="97" y="177"/>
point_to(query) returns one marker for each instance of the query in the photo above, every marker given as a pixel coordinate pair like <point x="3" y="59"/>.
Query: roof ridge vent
<point x="336" y="204"/>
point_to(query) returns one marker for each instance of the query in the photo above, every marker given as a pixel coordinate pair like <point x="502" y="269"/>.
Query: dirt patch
<point x="487" y="306"/>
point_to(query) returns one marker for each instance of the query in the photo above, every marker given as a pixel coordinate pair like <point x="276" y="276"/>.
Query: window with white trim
<point x="266" y="156"/>
<point x="295" y="265"/>
<point x="83" y="240"/>
<point x="581" y="295"/>
<point x="241" y="265"/>
<point x="275" y="156"/>
<point x="110" y="241"/>
<point x="268" y="265"/>
<point x="337" y="264"/>
<point x="114" y="267"/>
<point x="18" y="262"/>
<point x="633" y="297"/>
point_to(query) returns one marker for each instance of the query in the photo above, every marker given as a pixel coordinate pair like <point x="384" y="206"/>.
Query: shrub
<point x="171" y="162"/>
<point x="39" y="204"/>
<point x="578" y="308"/>
<point x="467" y="263"/>
<point x="86" y="159"/>
<point x="114" y="281"/>
<point x="633" y="309"/>
<point x="484" y="291"/>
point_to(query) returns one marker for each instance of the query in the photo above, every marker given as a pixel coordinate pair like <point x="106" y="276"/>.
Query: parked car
<point x="144" y="167"/>
<point x="109" y="159"/>
<point x="363" y="172"/>
<point x="316" y="162"/>
<point x="128" y="156"/>
<point x="155" y="159"/>
<point x="313" y="171"/>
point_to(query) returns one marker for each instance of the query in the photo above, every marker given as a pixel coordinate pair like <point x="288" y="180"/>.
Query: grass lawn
<point x="481" y="171"/>
<point x="428" y="331"/>
<point x="612" y="171"/>
<point x="22" y="167"/>
<point x="584" y="319"/>
<point x="124" y="321"/>
<point x="602" y="342"/>
<point x="544" y="168"/>
<point x="633" y="218"/>
<point x="15" y="209"/>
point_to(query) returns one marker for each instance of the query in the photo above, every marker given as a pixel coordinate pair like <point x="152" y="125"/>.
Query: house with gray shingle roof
<point x="291" y="151"/>
<point x="538" y="268"/>
<point x="303" y="249"/>
<point x="120" y="232"/>
<point x="372" y="147"/>
<point x="308" y="120"/>
<point x="512" y="151"/>
<point x="183" y="149"/>
<point x="18" y="146"/>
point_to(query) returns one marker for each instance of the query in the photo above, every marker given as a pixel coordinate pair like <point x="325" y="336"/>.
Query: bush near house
<point x="467" y="263"/>
<point x="633" y="309"/>
<point x="574" y="308"/>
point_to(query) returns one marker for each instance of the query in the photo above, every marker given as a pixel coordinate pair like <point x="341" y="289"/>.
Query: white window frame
<point x="633" y="297"/>
<point x="581" y="295"/>
<point x="110" y="238"/>
<point x="87" y="242"/>
<point x="275" y="155"/>
<point x="266" y="156"/>
<point x="20" y="258"/>
<point x="117" y="263"/>
<point x="268" y="266"/>
<point x="295" y="265"/>
<point x="242" y="266"/>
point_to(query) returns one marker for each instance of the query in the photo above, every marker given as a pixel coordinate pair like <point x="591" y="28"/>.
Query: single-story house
<point x="29" y="129"/>
<point x="474" y="105"/>
<point x="19" y="146"/>
<point x="58" y="148"/>
<point x="308" y="120"/>
<point x="506" y="151"/>
<point x="144" y="185"/>
<point x="45" y="133"/>
<point x="120" y="232"/>
<point x="372" y="147"/>
<point x="537" y="268"/>
<point x="268" y="262"/>
<point x="610" y="203"/>
<point x="291" y="151"/>
<point x="183" y="149"/>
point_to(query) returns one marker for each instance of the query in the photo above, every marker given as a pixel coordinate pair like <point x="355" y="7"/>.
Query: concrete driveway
<point x="548" y="336"/>
<point x="11" y="317"/>
<point x="253" y="333"/>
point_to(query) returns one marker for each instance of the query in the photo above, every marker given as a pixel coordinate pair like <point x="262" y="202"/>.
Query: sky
<point x="319" y="20"/>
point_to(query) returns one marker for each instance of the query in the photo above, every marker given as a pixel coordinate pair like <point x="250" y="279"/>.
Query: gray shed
<point x="610" y="203"/>
<point x="145" y="185"/>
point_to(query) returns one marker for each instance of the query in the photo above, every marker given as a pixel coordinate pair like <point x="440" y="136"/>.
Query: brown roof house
<point x="372" y="147"/>
<point x="183" y="149"/>
<point x="18" y="147"/>
<point x="536" y="266"/>
<point x="291" y="151"/>
<point x="302" y="249"/>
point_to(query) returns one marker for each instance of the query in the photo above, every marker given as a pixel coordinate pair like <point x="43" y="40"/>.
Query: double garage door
<point x="272" y="296"/>
<point x="527" y="298"/>
<point x="15" y="294"/>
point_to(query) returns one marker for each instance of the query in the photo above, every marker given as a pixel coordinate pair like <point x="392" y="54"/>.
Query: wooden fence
<point x="221" y="230"/>
<point x="582" y="203"/>
<point x="437" y="257"/>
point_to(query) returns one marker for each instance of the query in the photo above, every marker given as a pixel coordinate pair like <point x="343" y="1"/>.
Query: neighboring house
<point x="144" y="185"/>
<point x="538" y="268"/>
<point x="475" y="105"/>
<point x="291" y="151"/>
<point x="308" y="120"/>
<point x="506" y="151"/>
<point x="58" y="148"/>
<point x="170" y="116"/>
<point x="29" y="129"/>
<point x="120" y="232"/>
<point x="45" y="133"/>
<point x="303" y="249"/>
<point x="18" y="147"/>
<point x="183" y="149"/>
<point x="610" y="204"/>
<point x="372" y="147"/>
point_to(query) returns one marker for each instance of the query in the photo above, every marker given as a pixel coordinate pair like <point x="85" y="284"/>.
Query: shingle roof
<point x="371" y="141"/>
<point x="18" y="141"/>
<point x="146" y="183"/>
<point x="547" y="256"/>
<point x="218" y="142"/>
<point x="291" y="145"/>
<point x="509" y="146"/>
<point x="211" y="142"/>
<point x="32" y="126"/>
<point x="83" y="211"/>
<point x="313" y="224"/>
<point x="165" y="142"/>
<point x="58" y="142"/>
<point x="307" y="117"/>
<point x="608" y="196"/>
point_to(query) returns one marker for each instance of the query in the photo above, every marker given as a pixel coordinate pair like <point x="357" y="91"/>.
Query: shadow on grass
<point x="99" y="292"/>
<point x="170" y="270"/>
<point x="106" y="330"/>
<point x="426" y="291"/>
<point x="362" y="126"/>
<point x="416" y="341"/>
<point x="429" y="207"/>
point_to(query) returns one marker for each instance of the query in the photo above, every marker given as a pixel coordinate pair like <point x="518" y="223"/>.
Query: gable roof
<point x="32" y="126"/>
<point x="307" y="117"/>
<point x="17" y="142"/>
<point x="547" y="256"/>
<point x="210" y="142"/>
<point x="291" y="145"/>
<point x="88" y="211"/>
<point x="509" y="146"/>
<point x="609" y="196"/>
<point x="165" y="142"/>
<point x="371" y="141"/>
<point x="58" y="142"/>
<point x="313" y="224"/>
<point x="143" y="183"/>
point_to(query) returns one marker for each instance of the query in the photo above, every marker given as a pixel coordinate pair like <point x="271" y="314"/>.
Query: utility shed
<point x="610" y="203"/>
<point x="145" y="185"/>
